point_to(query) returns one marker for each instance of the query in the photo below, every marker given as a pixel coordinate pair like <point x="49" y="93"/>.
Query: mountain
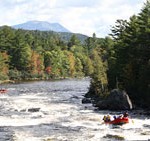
<point x="64" y="33"/>
<point x="42" y="26"/>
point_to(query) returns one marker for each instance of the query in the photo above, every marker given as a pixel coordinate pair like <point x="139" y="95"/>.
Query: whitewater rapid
<point x="53" y="111"/>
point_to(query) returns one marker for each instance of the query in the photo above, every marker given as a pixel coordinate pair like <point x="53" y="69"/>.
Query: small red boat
<point x="118" y="121"/>
<point x="3" y="91"/>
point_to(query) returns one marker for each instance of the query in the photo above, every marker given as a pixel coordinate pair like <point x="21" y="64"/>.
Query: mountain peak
<point x="42" y="26"/>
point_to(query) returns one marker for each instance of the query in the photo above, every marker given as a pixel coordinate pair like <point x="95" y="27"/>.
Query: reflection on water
<point x="52" y="110"/>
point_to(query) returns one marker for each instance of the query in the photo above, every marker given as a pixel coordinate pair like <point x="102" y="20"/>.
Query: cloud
<point x="98" y="18"/>
<point x="75" y="3"/>
<point x="86" y="17"/>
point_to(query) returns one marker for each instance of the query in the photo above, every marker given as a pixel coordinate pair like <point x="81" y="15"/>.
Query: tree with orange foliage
<point x="36" y="64"/>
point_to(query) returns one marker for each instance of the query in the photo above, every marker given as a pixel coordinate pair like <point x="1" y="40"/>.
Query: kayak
<point x="118" y="121"/>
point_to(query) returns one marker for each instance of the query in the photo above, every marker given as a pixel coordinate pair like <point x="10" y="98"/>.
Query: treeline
<point x="121" y="61"/>
<point x="43" y="55"/>
<point x="128" y="60"/>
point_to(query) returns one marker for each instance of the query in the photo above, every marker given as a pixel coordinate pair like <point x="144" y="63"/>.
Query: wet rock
<point x="146" y="112"/>
<point x="114" y="137"/>
<point x="117" y="100"/>
<point x="86" y="100"/>
<point x="75" y="97"/>
<point x="145" y="133"/>
<point x="141" y="112"/>
<point x="23" y="110"/>
<point x="33" y="110"/>
<point x="146" y="125"/>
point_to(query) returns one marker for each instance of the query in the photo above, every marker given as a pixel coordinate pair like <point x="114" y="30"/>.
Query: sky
<point x="78" y="16"/>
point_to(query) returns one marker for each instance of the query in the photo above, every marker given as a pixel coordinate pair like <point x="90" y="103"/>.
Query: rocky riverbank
<point x="116" y="100"/>
<point x="6" y="81"/>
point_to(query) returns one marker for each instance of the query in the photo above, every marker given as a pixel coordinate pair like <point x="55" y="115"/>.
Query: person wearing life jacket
<point x="104" y="118"/>
<point x="107" y="118"/>
<point x="115" y="117"/>
<point x="125" y="114"/>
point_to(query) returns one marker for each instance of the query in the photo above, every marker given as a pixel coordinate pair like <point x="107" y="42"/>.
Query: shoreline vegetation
<point x="120" y="61"/>
<point x="128" y="61"/>
<point x="32" y="79"/>
<point x="6" y="81"/>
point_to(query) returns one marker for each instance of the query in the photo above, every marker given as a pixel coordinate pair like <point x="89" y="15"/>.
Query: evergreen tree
<point x="4" y="59"/>
<point x="99" y="77"/>
<point x="73" y="41"/>
<point x="132" y="55"/>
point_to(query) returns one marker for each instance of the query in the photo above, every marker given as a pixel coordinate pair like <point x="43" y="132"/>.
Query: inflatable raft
<point x="118" y="121"/>
<point x="3" y="91"/>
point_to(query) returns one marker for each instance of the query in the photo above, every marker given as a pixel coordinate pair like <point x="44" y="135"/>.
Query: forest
<point x="27" y="55"/>
<point x="128" y="60"/>
<point x="120" y="60"/>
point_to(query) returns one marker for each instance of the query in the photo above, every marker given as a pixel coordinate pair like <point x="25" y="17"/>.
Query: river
<point x="53" y="111"/>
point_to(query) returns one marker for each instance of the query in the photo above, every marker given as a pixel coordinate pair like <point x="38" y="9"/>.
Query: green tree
<point x="73" y="41"/>
<point x="4" y="59"/>
<point x="23" y="52"/>
<point x="91" y="43"/>
<point x="6" y="39"/>
<point x="99" y="77"/>
<point x="88" y="66"/>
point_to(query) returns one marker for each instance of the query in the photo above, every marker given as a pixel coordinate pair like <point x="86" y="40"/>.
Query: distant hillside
<point x="65" y="36"/>
<point x="42" y="26"/>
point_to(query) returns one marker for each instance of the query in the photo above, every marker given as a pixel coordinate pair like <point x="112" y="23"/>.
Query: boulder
<point x="33" y="110"/>
<point x="86" y="100"/>
<point x="117" y="100"/>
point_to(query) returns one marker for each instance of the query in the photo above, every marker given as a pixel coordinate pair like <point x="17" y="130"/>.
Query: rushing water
<point x="53" y="111"/>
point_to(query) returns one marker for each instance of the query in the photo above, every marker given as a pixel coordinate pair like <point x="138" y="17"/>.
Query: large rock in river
<point x="117" y="100"/>
<point x="86" y="100"/>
